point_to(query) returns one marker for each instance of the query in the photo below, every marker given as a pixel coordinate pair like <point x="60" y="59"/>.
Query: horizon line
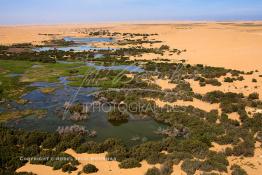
<point x="130" y="22"/>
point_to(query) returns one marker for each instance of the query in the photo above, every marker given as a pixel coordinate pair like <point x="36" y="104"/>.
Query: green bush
<point x="166" y="168"/>
<point x="153" y="171"/>
<point x="116" y="115"/>
<point x="215" y="161"/>
<point x="89" y="168"/>
<point x="178" y="156"/>
<point x="129" y="163"/>
<point x="51" y="141"/>
<point x="253" y="96"/>
<point x="153" y="158"/>
<point x="237" y="170"/>
<point x="68" y="168"/>
<point x="190" y="166"/>
<point x="118" y="152"/>
<point x="31" y="151"/>
<point x="24" y="173"/>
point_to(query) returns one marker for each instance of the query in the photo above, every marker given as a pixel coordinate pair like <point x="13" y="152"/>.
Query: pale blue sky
<point x="81" y="11"/>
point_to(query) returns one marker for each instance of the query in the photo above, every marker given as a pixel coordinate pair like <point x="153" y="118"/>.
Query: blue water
<point x="53" y="103"/>
<point x="99" y="55"/>
<point x="65" y="49"/>
<point x="84" y="45"/>
<point x="88" y="40"/>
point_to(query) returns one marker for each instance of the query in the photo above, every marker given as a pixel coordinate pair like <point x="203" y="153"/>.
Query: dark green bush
<point x="116" y="115"/>
<point x="237" y="170"/>
<point x="51" y="141"/>
<point x="129" y="163"/>
<point x="153" y="171"/>
<point x="253" y="96"/>
<point x="89" y="168"/>
<point x="166" y="168"/>
<point x="68" y="168"/>
<point x="190" y="166"/>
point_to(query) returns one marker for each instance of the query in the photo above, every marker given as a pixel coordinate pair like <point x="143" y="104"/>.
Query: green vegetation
<point x="253" y="96"/>
<point x="129" y="163"/>
<point x="153" y="171"/>
<point x="189" y="133"/>
<point x="190" y="166"/>
<point x="102" y="78"/>
<point x="48" y="72"/>
<point x="20" y="114"/>
<point x="89" y="168"/>
<point x="237" y="170"/>
<point x="115" y="115"/>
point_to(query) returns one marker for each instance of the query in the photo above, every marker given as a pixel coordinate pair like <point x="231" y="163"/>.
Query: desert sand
<point x="231" y="45"/>
<point x="246" y="86"/>
<point x="200" y="104"/>
<point x="99" y="160"/>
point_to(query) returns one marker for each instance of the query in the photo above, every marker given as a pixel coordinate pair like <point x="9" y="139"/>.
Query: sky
<point x="90" y="11"/>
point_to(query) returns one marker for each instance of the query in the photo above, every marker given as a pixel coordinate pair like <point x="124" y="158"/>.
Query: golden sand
<point x="99" y="160"/>
<point x="197" y="103"/>
<point x="232" y="45"/>
<point x="246" y="86"/>
<point x="229" y="45"/>
<point x="252" y="165"/>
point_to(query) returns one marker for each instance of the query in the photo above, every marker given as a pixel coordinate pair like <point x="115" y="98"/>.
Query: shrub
<point x="68" y="168"/>
<point x="215" y="161"/>
<point x="237" y="170"/>
<point x="190" y="166"/>
<point x="62" y="160"/>
<point x="62" y="146"/>
<point x="253" y="96"/>
<point x="254" y="80"/>
<point x="51" y="141"/>
<point x="153" y="171"/>
<point x="89" y="168"/>
<point x="164" y="47"/>
<point x="178" y="156"/>
<point x="213" y="97"/>
<point x="166" y="168"/>
<point x="31" y="151"/>
<point x="129" y="163"/>
<point x="141" y="152"/>
<point x="119" y="153"/>
<point x="153" y="158"/>
<point x="228" y="80"/>
<point x="90" y="147"/>
<point x="24" y="173"/>
<point x="213" y="82"/>
<point x="116" y="115"/>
